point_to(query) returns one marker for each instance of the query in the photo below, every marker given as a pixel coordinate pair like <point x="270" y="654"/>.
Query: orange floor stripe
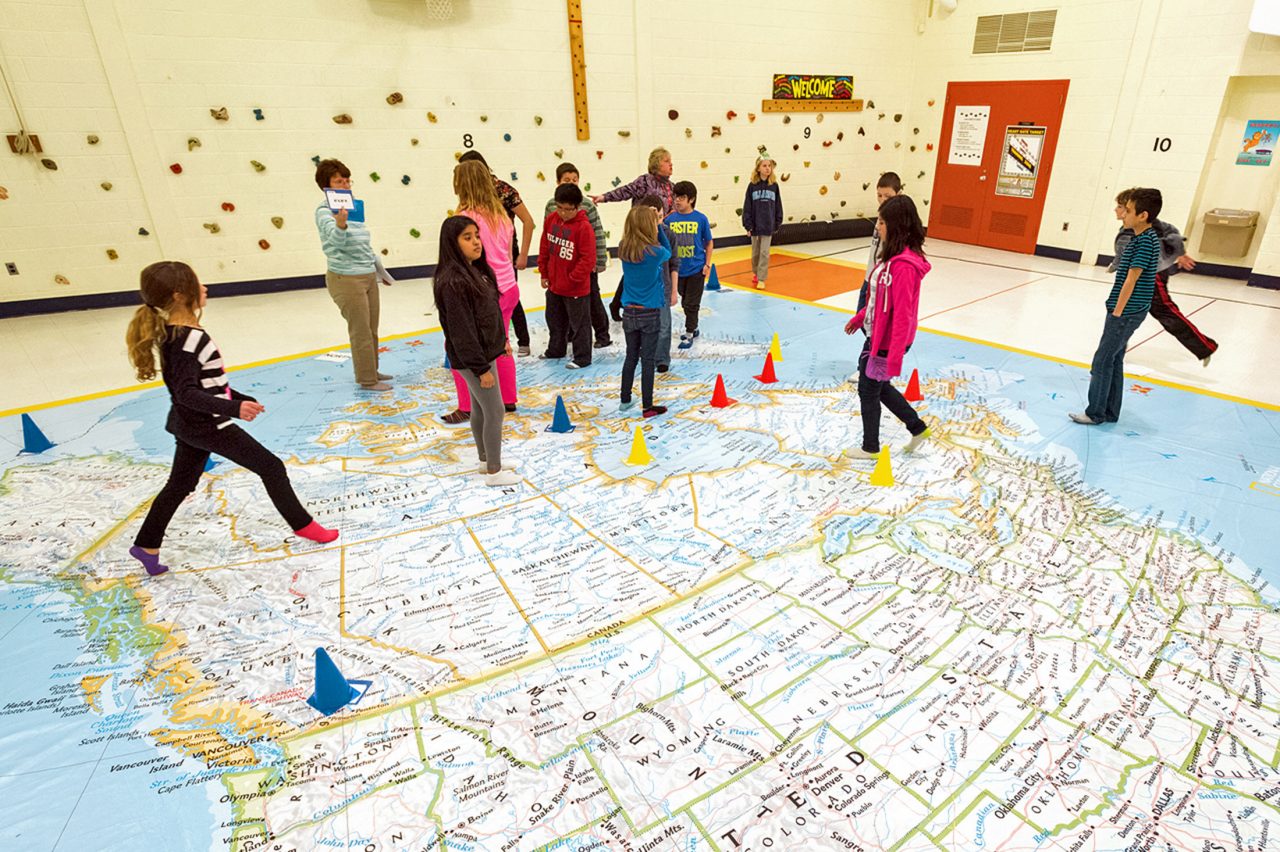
<point x="810" y="279"/>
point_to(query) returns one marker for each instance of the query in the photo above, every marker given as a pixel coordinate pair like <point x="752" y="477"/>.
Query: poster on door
<point x="1020" y="161"/>
<point x="968" y="135"/>
<point x="1259" y="143"/>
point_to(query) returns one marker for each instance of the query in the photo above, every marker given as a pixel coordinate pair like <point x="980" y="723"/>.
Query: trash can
<point x="1227" y="233"/>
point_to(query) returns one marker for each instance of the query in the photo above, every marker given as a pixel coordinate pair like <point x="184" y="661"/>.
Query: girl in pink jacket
<point x="889" y="322"/>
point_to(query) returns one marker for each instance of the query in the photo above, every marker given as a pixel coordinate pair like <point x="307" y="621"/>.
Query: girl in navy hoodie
<point x="762" y="216"/>
<point x="889" y="321"/>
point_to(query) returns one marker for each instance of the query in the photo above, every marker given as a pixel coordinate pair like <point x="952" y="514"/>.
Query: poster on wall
<point x="1259" y="143"/>
<point x="813" y="87"/>
<point x="968" y="135"/>
<point x="1020" y="161"/>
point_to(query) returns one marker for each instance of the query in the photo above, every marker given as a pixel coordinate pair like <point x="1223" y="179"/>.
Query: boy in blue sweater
<point x="693" y="245"/>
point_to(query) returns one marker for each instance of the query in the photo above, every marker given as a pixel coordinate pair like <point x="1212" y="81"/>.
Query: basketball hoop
<point x="440" y="10"/>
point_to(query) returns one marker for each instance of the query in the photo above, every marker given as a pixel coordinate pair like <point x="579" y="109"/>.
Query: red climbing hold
<point x="228" y="206"/>
<point x="176" y="168"/>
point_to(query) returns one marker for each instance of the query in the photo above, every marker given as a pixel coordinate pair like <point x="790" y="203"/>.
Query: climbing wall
<point x="194" y="136"/>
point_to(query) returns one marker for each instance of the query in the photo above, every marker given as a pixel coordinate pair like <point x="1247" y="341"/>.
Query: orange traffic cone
<point x="768" y="376"/>
<point x="913" y="388"/>
<point x="720" y="399"/>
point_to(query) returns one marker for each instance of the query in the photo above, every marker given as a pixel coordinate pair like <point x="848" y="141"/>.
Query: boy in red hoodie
<point x="566" y="259"/>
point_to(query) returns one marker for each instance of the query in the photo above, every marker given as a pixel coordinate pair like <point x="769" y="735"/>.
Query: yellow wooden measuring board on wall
<point x="578" y="61"/>
<point x="810" y="105"/>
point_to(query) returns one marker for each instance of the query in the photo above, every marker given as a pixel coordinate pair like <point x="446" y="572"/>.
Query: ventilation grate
<point x="1010" y="224"/>
<point x="955" y="217"/>
<point x="1018" y="32"/>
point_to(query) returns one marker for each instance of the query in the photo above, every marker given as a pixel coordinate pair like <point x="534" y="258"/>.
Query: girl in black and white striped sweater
<point x="204" y="404"/>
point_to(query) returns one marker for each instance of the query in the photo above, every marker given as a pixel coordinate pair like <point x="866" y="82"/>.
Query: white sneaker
<point x="1204" y="362"/>
<point x="483" y="467"/>
<point x="503" y="477"/>
<point x="1083" y="419"/>
<point x="917" y="440"/>
<point x="859" y="453"/>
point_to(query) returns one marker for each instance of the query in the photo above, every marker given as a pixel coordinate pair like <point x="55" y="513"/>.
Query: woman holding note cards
<point x="354" y="270"/>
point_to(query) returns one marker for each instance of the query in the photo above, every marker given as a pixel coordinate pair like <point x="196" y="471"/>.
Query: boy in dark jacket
<point x="566" y="260"/>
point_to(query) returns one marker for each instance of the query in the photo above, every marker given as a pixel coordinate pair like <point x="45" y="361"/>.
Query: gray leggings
<point x="486" y="417"/>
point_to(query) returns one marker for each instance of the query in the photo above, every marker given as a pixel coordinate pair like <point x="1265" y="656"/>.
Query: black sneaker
<point x="510" y="407"/>
<point x="662" y="368"/>
<point x="603" y="344"/>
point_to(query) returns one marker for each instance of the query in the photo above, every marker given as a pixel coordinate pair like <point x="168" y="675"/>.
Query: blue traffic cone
<point x="560" y="422"/>
<point x="446" y="362"/>
<point x="333" y="691"/>
<point x="210" y="464"/>
<point x="713" y="283"/>
<point x="33" y="440"/>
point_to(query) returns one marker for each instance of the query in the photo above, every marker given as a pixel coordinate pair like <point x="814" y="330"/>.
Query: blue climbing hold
<point x="405" y="180"/>
<point x="257" y="114"/>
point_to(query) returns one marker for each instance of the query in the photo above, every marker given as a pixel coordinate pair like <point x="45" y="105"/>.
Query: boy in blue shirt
<point x="1127" y="307"/>
<point x="693" y="245"/>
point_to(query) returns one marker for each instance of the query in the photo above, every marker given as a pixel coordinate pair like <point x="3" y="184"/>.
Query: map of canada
<point x="1040" y="637"/>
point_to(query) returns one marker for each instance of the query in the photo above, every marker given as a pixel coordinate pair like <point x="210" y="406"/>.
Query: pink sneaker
<point x="317" y="533"/>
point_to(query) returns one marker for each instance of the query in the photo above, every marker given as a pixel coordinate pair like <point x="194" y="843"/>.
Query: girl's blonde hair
<point x="638" y="233"/>
<point x="162" y="283"/>
<point x="755" y="172"/>
<point x="656" y="156"/>
<point x="474" y="186"/>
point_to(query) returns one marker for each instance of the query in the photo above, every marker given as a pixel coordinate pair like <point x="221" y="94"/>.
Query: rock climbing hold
<point x="176" y="168"/>
<point x="599" y="155"/>
<point x="415" y="233"/>
<point x="537" y="120"/>
<point x="897" y="116"/>
<point x="431" y="117"/>
<point x="926" y="202"/>
<point x="785" y="177"/>
<point x="49" y="164"/>
<point x="822" y="190"/>
<point x="506" y="137"/>
<point x="404" y="179"/>
<point x="912" y="148"/>
<point x="316" y="159"/>
<point x="342" y="118"/>
<point x="843" y="203"/>
<point x="228" y="207"/>
<point x="413" y="140"/>
<point x="106" y="185"/>
<point x="112" y="254"/>
<point x="862" y="131"/>
<point x="617" y="181"/>
<point x="865" y="184"/>
<point x="257" y="167"/>
<point x="840" y="136"/>
<point x="897" y="144"/>
<point x="61" y="279"/>
<point x="278" y="221"/>
<point x="385" y="252"/>
<point x="541" y="176"/>
<point x="826" y="143"/>
<point x="143" y="232"/>
<point x="728" y="150"/>
<point x="586" y="187"/>
<point x="929" y="146"/>
<point x="193" y="143"/>
<point x="876" y="147"/>
<point x="484" y="118"/>
<point x="688" y="133"/>
<point x="4" y="193"/>
<point x="624" y="133"/>
<point x="751" y="116"/>
<point x="795" y="147"/>
<point x="813" y="217"/>
<point x="715" y="197"/>
<point x="920" y="175"/>
<point x="806" y="164"/>
<point x="673" y="114"/>
<point x="457" y="155"/>
<point x="786" y="119"/>
<point x="762" y="150"/>
<point x="880" y="115"/>
<point x="932" y="101"/>
<point x="212" y="227"/>
<point x="559" y="152"/>
<point x="791" y="218"/>
<point x="835" y="214"/>
<point x="703" y="164"/>
<point x="836" y="177"/>
<point x="257" y="114"/>
<point x="731" y="115"/>
<point x="220" y="114"/>
<point x="737" y="178"/>
<point x="395" y="98"/>
<point x="819" y="118"/>
<point x="715" y="131"/>
<point x="871" y="104"/>
<point x="915" y="131"/>
<point x="737" y="211"/>
<point x="264" y="245"/>
<point x="91" y="139"/>
<point x="514" y="177"/>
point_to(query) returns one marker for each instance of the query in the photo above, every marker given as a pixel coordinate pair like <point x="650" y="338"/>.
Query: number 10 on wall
<point x="1162" y="144"/>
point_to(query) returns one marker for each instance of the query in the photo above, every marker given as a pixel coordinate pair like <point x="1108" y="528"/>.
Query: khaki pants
<point x="357" y="298"/>
<point x="760" y="256"/>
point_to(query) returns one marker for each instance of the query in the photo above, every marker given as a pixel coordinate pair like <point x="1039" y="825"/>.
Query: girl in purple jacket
<point x="889" y="322"/>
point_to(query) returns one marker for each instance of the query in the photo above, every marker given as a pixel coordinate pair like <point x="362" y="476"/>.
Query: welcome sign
<point x="807" y="87"/>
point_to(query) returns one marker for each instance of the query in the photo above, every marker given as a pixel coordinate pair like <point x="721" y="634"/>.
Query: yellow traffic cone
<point x="775" y="349"/>
<point x="883" y="474"/>
<point x="639" y="450"/>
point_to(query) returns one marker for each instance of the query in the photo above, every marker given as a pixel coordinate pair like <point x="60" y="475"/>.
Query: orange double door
<point x="995" y="156"/>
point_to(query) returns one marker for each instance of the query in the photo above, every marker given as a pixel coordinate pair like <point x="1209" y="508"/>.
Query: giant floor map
<point x="1042" y="636"/>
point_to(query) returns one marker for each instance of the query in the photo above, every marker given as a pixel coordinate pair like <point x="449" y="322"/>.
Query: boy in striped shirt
<point x="1127" y="307"/>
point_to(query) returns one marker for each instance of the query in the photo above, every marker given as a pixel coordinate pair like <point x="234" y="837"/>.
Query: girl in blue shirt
<point x="644" y="259"/>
